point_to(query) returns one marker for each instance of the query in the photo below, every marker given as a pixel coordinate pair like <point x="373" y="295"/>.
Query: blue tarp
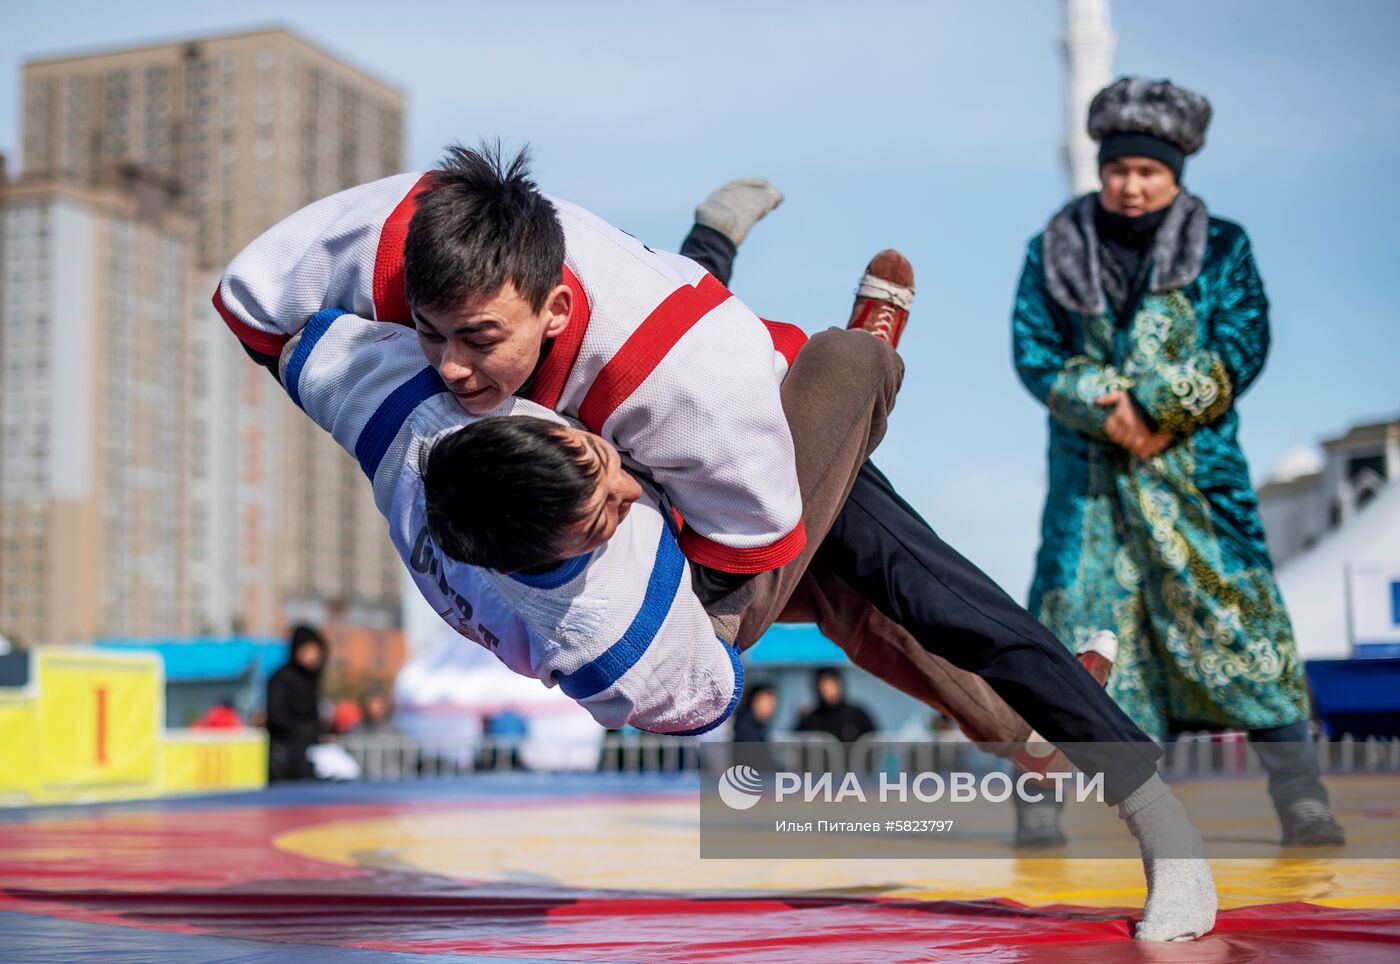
<point x="799" y="644"/>
<point x="190" y="660"/>
<point x="1357" y="696"/>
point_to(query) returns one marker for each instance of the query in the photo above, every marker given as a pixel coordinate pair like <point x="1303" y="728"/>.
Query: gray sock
<point x="1181" y="901"/>
<point x="735" y="208"/>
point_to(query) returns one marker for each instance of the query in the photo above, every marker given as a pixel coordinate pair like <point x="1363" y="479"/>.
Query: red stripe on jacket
<point x="707" y="552"/>
<point x="263" y="342"/>
<point x="554" y="372"/>
<point x="645" y="347"/>
<point x="787" y="339"/>
<point x="390" y="302"/>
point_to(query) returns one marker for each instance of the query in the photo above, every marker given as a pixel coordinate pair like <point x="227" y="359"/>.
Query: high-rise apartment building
<point x="93" y="329"/>
<point x="253" y="126"/>
<point x="276" y="522"/>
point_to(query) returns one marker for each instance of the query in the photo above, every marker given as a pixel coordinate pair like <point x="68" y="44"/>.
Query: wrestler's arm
<point x="708" y="423"/>
<point x="323" y="256"/>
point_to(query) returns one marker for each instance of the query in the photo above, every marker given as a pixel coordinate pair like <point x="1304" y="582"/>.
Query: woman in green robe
<point x="1140" y="319"/>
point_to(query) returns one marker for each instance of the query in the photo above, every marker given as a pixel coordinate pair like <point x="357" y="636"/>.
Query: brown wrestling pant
<point x="837" y="397"/>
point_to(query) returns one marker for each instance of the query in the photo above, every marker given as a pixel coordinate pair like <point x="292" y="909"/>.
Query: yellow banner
<point x="205" y="760"/>
<point x="17" y="776"/>
<point x="99" y="718"/>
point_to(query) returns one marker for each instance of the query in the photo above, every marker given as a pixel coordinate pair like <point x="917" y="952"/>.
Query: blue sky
<point x="934" y="127"/>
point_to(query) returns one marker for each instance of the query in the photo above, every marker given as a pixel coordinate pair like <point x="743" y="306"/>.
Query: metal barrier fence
<point x="1220" y="753"/>
<point x="397" y="757"/>
<point x="1190" y="754"/>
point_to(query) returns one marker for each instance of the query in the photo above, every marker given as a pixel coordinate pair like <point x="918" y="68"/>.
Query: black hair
<point x="503" y="491"/>
<point x="751" y="695"/>
<point x="302" y="633"/>
<point x="827" y="672"/>
<point x="480" y="223"/>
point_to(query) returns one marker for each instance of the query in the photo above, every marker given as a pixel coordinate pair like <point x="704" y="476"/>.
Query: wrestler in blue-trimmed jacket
<point x="618" y="628"/>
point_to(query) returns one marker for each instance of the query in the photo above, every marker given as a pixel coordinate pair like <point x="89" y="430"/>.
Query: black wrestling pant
<point x="888" y="554"/>
<point x="882" y="548"/>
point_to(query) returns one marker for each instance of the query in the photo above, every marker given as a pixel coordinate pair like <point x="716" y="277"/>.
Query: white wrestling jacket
<point x="658" y="357"/>
<point x="619" y="630"/>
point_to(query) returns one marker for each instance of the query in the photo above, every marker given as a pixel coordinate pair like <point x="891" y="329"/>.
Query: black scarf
<point x="1070" y="248"/>
<point x="1125" y="246"/>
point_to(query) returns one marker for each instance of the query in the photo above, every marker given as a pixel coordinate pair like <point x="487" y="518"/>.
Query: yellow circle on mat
<point x="652" y="846"/>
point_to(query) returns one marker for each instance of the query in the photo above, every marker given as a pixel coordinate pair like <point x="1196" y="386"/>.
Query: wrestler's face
<point x="1137" y="185"/>
<point x="613" y="494"/>
<point x="485" y="349"/>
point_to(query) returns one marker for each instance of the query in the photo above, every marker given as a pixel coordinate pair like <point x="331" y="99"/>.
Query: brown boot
<point x="884" y="296"/>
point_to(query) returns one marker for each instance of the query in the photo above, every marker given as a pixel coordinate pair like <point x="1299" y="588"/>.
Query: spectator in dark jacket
<point x="755" y="714"/>
<point x="833" y="714"/>
<point x="751" y="722"/>
<point x="293" y="707"/>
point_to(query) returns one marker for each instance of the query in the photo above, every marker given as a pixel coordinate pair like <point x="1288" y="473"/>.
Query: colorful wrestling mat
<point x="605" y="868"/>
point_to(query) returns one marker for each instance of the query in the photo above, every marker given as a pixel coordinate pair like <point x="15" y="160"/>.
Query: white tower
<point x="1089" y="46"/>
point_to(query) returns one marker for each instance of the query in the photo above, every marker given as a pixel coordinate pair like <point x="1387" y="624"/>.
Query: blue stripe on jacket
<point x="319" y="324"/>
<point x="556" y="577"/>
<point x="666" y="571"/>
<point x="383" y="426"/>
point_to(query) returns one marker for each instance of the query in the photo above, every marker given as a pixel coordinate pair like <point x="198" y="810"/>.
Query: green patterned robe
<point x="1168" y="552"/>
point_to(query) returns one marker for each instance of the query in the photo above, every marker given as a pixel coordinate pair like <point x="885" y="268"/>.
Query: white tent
<point x="1314" y="583"/>
<point x="1299" y="461"/>
<point x="451" y="684"/>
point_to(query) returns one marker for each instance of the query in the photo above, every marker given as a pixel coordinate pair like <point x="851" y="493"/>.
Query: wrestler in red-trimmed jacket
<point x="641" y="346"/>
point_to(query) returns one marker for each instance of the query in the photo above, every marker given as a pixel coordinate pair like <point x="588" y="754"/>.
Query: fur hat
<point x="1157" y="108"/>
